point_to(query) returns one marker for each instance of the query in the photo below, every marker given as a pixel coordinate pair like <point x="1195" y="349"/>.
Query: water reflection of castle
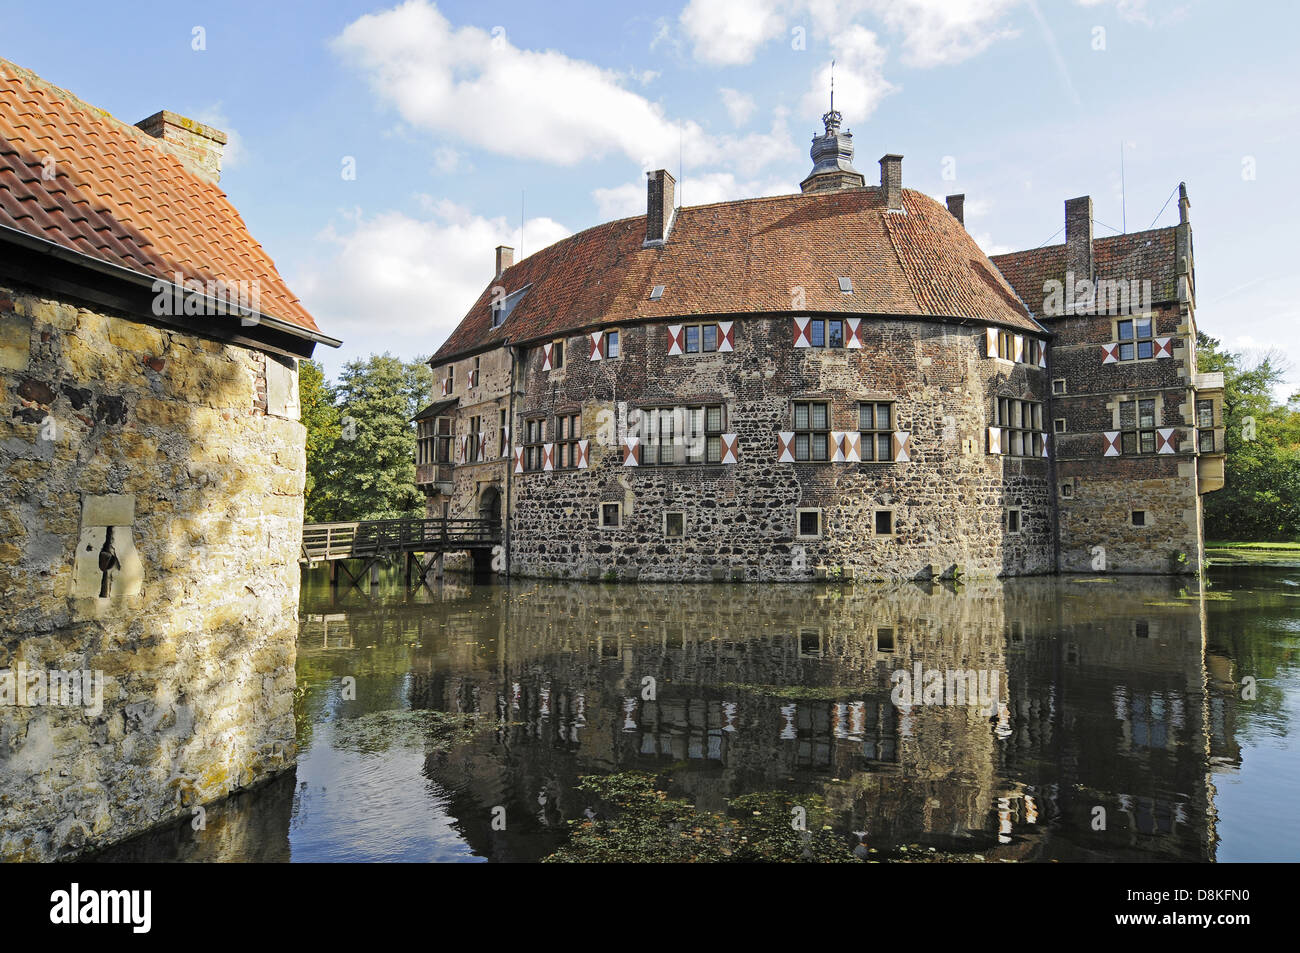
<point x="1102" y="705"/>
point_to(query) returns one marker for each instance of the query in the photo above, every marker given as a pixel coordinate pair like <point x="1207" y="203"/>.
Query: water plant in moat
<point x="636" y="821"/>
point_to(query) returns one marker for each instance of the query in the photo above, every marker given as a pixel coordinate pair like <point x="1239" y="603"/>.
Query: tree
<point x="1260" y="499"/>
<point x="321" y="418"/>
<point x="368" y="472"/>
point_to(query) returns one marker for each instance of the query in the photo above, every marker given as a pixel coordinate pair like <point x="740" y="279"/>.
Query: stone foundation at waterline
<point x="189" y="450"/>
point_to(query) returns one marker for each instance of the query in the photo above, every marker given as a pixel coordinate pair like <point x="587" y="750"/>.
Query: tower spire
<point x="832" y="154"/>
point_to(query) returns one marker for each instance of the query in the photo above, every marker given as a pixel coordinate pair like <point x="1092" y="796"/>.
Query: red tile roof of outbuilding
<point x="747" y="257"/>
<point x="116" y="195"/>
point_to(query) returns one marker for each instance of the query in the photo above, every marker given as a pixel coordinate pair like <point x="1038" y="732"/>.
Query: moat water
<point x="1128" y="718"/>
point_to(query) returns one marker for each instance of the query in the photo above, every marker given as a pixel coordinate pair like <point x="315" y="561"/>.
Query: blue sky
<point x="459" y="114"/>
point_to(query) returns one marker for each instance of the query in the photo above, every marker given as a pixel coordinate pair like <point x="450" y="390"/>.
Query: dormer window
<point x="501" y="309"/>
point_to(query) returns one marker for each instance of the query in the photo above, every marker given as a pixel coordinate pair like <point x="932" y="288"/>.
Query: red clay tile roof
<point x="745" y="257"/>
<point x="119" y="197"/>
<point x="1136" y="256"/>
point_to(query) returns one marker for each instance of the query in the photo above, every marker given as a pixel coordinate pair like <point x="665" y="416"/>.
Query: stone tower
<point x="832" y="155"/>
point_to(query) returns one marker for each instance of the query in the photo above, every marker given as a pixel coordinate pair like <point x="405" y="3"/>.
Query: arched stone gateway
<point x="489" y="504"/>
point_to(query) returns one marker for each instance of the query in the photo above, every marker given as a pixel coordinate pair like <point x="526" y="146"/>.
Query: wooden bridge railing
<point x="367" y="538"/>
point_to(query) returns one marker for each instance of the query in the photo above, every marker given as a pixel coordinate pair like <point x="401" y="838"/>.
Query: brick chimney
<point x="1078" y="237"/>
<point x="891" y="180"/>
<point x="196" y="145"/>
<point x="505" y="258"/>
<point x="957" y="208"/>
<point x="661" y="196"/>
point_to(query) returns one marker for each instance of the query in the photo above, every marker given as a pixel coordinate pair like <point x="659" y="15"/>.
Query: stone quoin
<point x="833" y="384"/>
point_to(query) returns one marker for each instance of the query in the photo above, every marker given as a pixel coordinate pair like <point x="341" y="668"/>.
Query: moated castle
<point x="833" y="384"/>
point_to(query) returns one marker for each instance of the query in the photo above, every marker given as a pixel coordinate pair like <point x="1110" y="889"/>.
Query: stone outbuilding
<point x="151" y="471"/>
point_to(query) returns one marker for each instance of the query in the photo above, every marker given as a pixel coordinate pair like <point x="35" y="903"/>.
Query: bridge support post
<point x="374" y="575"/>
<point x="334" y="573"/>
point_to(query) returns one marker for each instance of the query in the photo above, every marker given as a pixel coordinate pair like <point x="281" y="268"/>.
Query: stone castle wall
<point x="948" y="500"/>
<point x="1096" y="519"/>
<point x="190" y="450"/>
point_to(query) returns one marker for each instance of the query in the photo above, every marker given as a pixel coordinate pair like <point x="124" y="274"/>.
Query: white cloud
<point x="730" y="32"/>
<point x="446" y="159"/>
<point x="934" y="32"/>
<point x="943" y="32"/>
<point x="860" y="82"/>
<point x="704" y="188"/>
<point x="392" y="277"/>
<point x="542" y="105"/>
<point x="740" y="106"/>
<point x="477" y="86"/>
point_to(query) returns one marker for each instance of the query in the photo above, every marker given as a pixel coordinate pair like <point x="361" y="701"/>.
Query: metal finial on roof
<point x="832" y="119"/>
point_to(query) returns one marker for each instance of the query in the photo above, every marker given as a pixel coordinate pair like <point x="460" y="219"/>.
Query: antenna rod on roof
<point x="521" y="224"/>
<point x="832" y="86"/>
<point x="1123" y="199"/>
<point x="681" y="177"/>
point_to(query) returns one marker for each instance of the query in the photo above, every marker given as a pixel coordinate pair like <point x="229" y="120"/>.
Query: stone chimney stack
<point x="957" y="208"/>
<point x="891" y="180"/>
<point x="661" y="198"/>
<point x="505" y="258"/>
<point x="198" y="146"/>
<point x="1078" y="237"/>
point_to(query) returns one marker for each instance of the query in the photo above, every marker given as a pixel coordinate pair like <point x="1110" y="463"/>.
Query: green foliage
<point x="1260" y="499"/>
<point x="321" y="418"/>
<point x="649" y="826"/>
<point x="361" y="442"/>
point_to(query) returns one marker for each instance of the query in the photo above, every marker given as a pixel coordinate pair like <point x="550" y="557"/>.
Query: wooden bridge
<point x="377" y="541"/>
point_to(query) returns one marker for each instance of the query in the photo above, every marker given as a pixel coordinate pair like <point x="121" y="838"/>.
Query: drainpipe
<point x="510" y="454"/>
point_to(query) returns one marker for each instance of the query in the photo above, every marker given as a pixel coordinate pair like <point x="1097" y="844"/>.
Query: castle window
<point x="475" y="426"/>
<point x="474" y="378"/>
<point x="884" y="520"/>
<point x="876" y="423"/>
<point x="444" y="440"/>
<point x="534" y="435"/>
<point x="1067" y="491"/>
<point x="681" y="435"/>
<point x="1058" y="385"/>
<point x="812" y="435"/>
<point x="1033" y="350"/>
<point x="568" y="428"/>
<point x="1205" y="426"/>
<point x="1139" y="517"/>
<point x="425" y="442"/>
<point x="1012" y="521"/>
<point x="824" y="333"/>
<point x="1058" y="425"/>
<point x="503" y="435"/>
<point x="674" y="525"/>
<point x="610" y="343"/>
<point x="701" y="337"/>
<point x="611" y="515"/>
<point x="1022" y="425"/>
<point x="1006" y="346"/>
<point x="557" y="354"/>
<point x="1137" y="421"/>
<point x="1136" y="339"/>
<point x="809" y="522"/>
